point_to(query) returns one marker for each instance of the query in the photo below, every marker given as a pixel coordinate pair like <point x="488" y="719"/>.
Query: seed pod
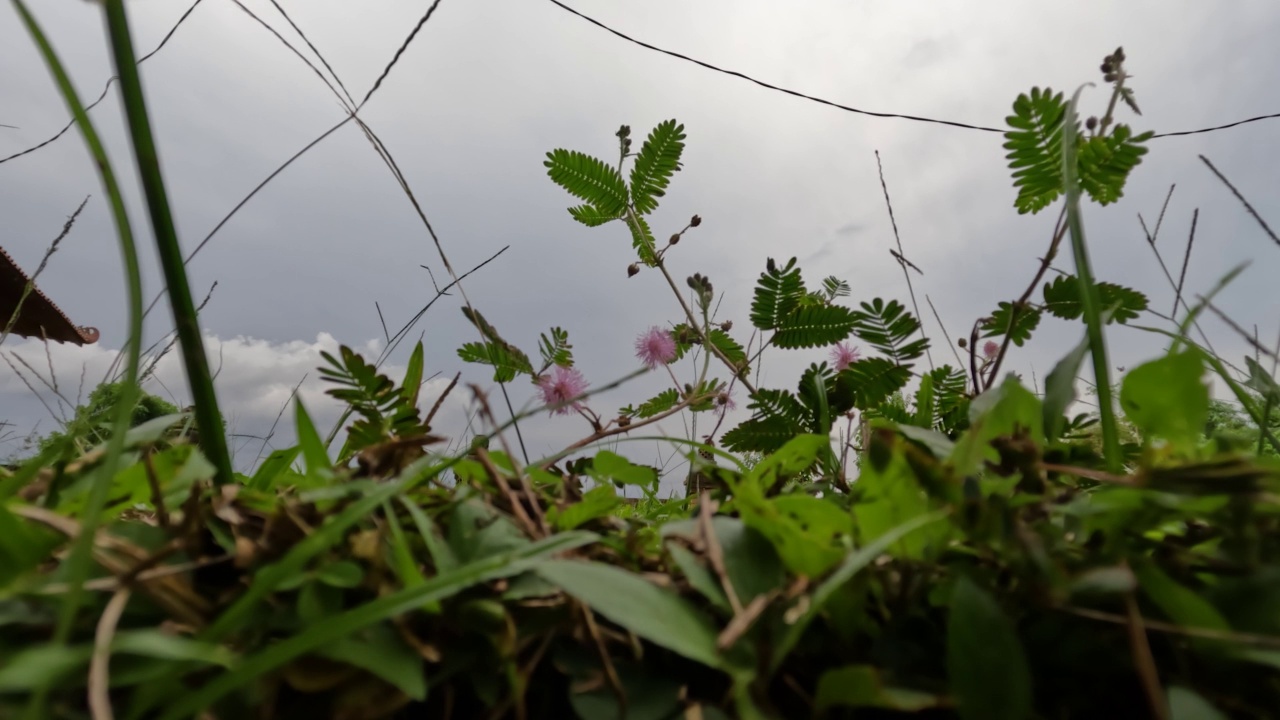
<point x="1091" y="123"/>
<point x="632" y="269"/>
<point x="674" y="239"/>
<point x="695" y="222"/>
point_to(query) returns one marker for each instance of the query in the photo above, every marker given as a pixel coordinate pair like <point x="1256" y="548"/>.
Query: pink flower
<point x="990" y="348"/>
<point x="560" y="387"/>
<point x="655" y="347"/>
<point x="725" y="402"/>
<point x="842" y="356"/>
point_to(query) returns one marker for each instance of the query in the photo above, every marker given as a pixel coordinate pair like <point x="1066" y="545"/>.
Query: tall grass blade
<point x="213" y="439"/>
<point x="1089" y="292"/>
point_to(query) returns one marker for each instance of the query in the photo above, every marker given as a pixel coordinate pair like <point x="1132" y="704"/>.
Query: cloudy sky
<point x="489" y="86"/>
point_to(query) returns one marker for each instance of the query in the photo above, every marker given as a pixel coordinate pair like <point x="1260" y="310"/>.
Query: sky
<point x="489" y="86"/>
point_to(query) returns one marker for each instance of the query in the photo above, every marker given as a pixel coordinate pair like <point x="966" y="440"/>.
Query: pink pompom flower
<point x="560" y="387"/>
<point x="843" y="355"/>
<point x="989" y="349"/>
<point x="655" y="347"/>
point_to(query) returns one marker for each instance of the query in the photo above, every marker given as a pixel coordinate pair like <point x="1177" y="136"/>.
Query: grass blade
<point x="78" y="562"/>
<point x="1089" y="292"/>
<point x="340" y="626"/>
<point x="213" y="439"/>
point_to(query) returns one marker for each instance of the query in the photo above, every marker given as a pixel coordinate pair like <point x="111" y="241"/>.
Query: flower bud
<point x="675" y="239"/>
<point x="695" y="222"/>
<point x="1091" y="123"/>
<point x="727" y="325"/>
<point x="632" y="269"/>
<point x="624" y="421"/>
<point x="962" y="343"/>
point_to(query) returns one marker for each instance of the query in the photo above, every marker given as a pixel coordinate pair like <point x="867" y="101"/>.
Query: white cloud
<point x="254" y="380"/>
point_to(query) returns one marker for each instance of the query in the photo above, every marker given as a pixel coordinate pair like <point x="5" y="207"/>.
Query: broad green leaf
<point x="23" y="547"/>
<point x="1001" y="410"/>
<point x="852" y="564"/>
<point x="412" y="383"/>
<point x="595" y="503"/>
<point x="985" y="661"/>
<point x="638" y="605"/>
<point x="750" y="559"/>
<point x="1168" y="397"/>
<point x="889" y="498"/>
<point x="341" y="574"/>
<point x="278" y="462"/>
<point x="1187" y="704"/>
<point x="1060" y="390"/>
<point x="609" y="466"/>
<point x="380" y="650"/>
<point x="42" y="665"/>
<point x="315" y="637"/>
<point x="1261" y="382"/>
<point x="478" y="531"/>
<point x="924" y="403"/>
<point x="700" y="578"/>
<point x="649" y="697"/>
<point x="862" y="686"/>
<point x="312" y="447"/>
<point x="1179" y="604"/>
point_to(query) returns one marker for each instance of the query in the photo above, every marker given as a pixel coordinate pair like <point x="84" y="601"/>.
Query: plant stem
<point x="213" y="440"/>
<point x="1090" y="300"/>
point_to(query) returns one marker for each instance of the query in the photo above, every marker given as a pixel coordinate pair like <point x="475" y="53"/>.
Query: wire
<point x="846" y="108"/>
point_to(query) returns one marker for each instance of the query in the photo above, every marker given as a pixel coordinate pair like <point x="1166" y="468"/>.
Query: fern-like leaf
<point x="834" y="287"/>
<point x="1062" y="299"/>
<point x="592" y="216"/>
<point x="874" y="380"/>
<point x="659" y="403"/>
<point x="729" y="347"/>
<point x="1106" y="161"/>
<point x="556" y="349"/>
<point x="657" y="161"/>
<point x="588" y="178"/>
<point x="887" y="327"/>
<point x="1035" y="148"/>
<point x="778" y="293"/>
<point x="1001" y="323"/>
<point x="507" y="361"/>
<point x="642" y="239"/>
<point x="762" y="435"/>
<point x="815" y="325"/>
